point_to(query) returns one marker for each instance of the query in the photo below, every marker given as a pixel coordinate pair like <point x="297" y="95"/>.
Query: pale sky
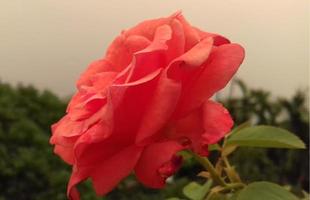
<point x="48" y="43"/>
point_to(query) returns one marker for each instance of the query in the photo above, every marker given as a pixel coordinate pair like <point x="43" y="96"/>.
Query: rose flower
<point x="144" y="101"/>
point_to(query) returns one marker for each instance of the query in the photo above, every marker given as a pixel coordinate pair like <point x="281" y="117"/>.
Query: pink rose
<point x="144" y="101"/>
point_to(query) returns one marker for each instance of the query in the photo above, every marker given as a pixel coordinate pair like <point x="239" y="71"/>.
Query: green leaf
<point x="239" y="128"/>
<point x="266" y="191"/>
<point x="195" y="191"/>
<point x="173" y="198"/>
<point x="228" y="149"/>
<point x="265" y="136"/>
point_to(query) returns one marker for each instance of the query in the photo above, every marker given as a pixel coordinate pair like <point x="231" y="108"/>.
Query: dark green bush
<point x="28" y="169"/>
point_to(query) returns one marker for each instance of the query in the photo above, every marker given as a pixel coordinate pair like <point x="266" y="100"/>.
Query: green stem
<point x="209" y="166"/>
<point x="226" y="162"/>
<point x="230" y="171"/>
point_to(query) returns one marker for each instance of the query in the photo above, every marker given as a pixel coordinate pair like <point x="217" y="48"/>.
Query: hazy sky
<point x="48" y="43"/>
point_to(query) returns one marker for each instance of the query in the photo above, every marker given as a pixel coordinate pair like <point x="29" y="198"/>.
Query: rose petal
<point x="157" y="162"/>
<point x="194" y="35"/>
<point x="130" y="100"/>
<point x="196" y="56"/>
<point x="135" y="43"/>
<point x="204" y="126"/>
<point x="121" y="51"/>
<point x="87" y="108"/>
<point x="76" y="177"/>
<point x="94" y="68"/>
<point x="65" y="131"/>
<point x="162" y="35"/>
<point x="101" y="81"/>
<point x="218" y="39"/>
<point x="217" y="122"/>
<point x="66" y="153"/>
<point x="191" y="35"/>
<point x="222" y="64"/>
<point x="152" y="57"/>
<point x="105" y="172"/>
<point x="110" y="172"/>
<point x="160" y="109"/>
<point x="184" y="66"/>
<point x="188" y="131"/>
<point x="187" y="67"/>
<point x="176" y="45"/>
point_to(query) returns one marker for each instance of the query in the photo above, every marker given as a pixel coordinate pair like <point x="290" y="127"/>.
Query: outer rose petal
<point x="66" y="153"/>
<point x="94" y="68"/>
<point x="222" y="64"/>
<point x="158" y="161"/>
<point x="188" y="65"/>
<point x="66" y="131"/>
<point x="188" y="130"/>
<point x="110" y="172"/>
<point x="218" y="39"/>
<point x="196" y="56"/>
<point x="204" y="126"/>
<point x="76" y="177"/>
<point x="105" y="174"/>
<point x="217" y="122"/>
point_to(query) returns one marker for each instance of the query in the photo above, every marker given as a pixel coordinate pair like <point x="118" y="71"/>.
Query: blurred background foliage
<point x="30" y="171"/>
